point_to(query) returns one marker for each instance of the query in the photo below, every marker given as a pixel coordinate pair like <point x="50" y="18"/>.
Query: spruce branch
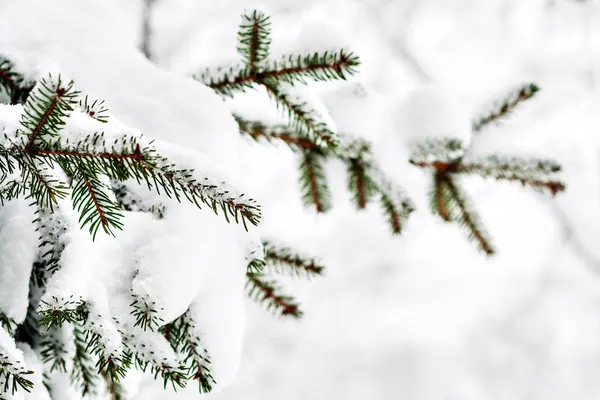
<point x="183" y="336"/>
<point x="13" y="375"/>
<point x="84" y="373"/>
<point x="13" y="83"/>
<point x="462" y="212"/>
<point x="47" y="108"/>
<point x="302" y="118"/>
<point x="130" y="201"/>
<point x="93" y="200"/>
<point x="530" y="172"/>
<point x="94" y="109"/>
<point x="283" y="259"/>
<point x="506" y="106"/>
<point x="60" y="310"/>
<point x="267" y="292"/>
<point x="360" y="184"/>
<point x="145" y="313"/>
<point x="318" y="67"/>
<point x="313" y="182"/>
<point x="275" y="133"/>
<point x="254" y="40"/>
<point x="54" y="348"/>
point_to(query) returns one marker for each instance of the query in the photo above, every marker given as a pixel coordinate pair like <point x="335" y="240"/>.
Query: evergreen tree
<point x="50" y="170"/>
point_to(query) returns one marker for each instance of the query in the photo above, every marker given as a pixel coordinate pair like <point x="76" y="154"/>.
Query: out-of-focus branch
<point x="146" y="34"/>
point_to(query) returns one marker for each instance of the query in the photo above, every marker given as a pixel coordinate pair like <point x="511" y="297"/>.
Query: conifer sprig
<point x="529" y="172"/>
<point x="317" y="67"/>
<point x="94" y="109"/>
<point x="267" y="292"/>
<point x="12" y="83"/>
<point x="254" y="39"/>
<point x="13" y="375"/>
<point x="87" y="158"/>
<point x="273" y="76"/>
<point x="185" y="340"/>
<point x="506" y="106"/>
<point x="84" y="373"/>
<point x="145" y="313"/>
<point x="301" y="116"/>
<point x="285" y="260"/>
<point x="47" y="108"/>
<point x="275" y="133"/>
<point x="313" y="181"/>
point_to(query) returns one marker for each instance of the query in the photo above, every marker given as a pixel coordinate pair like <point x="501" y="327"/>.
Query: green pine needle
<point x="267" y="292"/>
<point x="506" y="106"/>
<point x="313" y="182"/>
<point x="254" y="39"/>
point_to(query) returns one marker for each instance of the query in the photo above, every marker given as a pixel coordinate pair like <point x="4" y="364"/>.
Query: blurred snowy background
<point x="422" y="316"/>
<point x="425" y="316"/>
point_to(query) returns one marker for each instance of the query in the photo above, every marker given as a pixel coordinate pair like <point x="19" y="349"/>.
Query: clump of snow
<point x="18" y="245"/>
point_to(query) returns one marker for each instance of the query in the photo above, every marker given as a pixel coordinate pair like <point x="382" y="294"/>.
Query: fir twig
<point x="465" y="215"/>
<point x="284" y="259"/>
<point x="254" y="39"/>
<point x="506" y="106"/>
<point x="313" y="182"/>
<point x="267" y="292"/>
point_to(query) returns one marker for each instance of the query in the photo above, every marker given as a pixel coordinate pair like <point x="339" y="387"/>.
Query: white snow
<point x="18" y="244"/>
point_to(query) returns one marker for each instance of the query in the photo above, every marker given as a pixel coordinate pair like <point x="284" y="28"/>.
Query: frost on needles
<point x="57" y="177"/>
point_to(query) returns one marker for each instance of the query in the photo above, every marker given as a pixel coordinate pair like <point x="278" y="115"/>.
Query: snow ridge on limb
<point x="366" y="181"/>
<point x="278" y="77"/>
<point x="502" y="108"/>
<point x="449" y="159"/>
<point x="85" y="158"/>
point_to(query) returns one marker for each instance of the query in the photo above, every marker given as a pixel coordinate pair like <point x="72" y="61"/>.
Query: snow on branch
<point x="274" y="76"/>
<point x="13" y="371"/>
<point x="446" y="157"/>
<point x="12" y="83"/>
<point x="185" y="339"/>
<point x="266" y="291"/>
<point x="284" y="260"/>
<point x="86" y="157"/>
<point x="500" y="109"/>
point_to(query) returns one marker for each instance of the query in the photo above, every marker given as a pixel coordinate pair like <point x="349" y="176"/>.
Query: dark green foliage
<point x="47" y="109"/>
<point x="145" y="313"/>
<point x="313" y="181"/>
<point x="284" y="260"/>
<point x="63" y="311"/>
<point x="317" y="67"/>
<point x="184" y="339"/>
<point x="365" y="180"/>
<point x="262" y="286"/>
<point x="267" y="292"/>
<point x="12" y="84"/>
<point x="258" y="70"/>
<point x="253" y="39"/>
<point x="301" y="117"/>
<point x="84" y="373"/>
<point x="93" y="200"/>
<point x="52" y="349"/>
<point x="95" y="109"/>
<point x="14" y="376"/>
